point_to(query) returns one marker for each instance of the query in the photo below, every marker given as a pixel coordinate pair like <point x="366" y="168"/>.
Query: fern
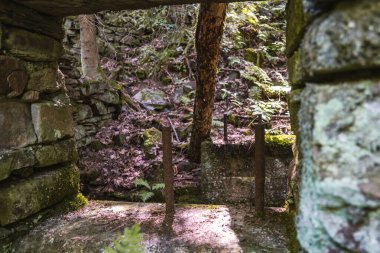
<point x="142" y="182"/>
<point x="129" y="242"/>
<point x="159" y="186"/>
<point x="145" y="195"/>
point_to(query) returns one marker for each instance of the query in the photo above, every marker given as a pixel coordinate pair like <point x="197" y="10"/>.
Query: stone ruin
<point x="333" y="49"/>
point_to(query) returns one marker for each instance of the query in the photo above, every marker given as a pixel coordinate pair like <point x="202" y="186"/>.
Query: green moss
<point x="294" y="245"/>
<point x="151" y="136"/>
<point x="280" y="140"/>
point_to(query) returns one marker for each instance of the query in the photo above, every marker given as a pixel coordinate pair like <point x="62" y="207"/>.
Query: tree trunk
<point x="89" y="48"/>
<point x="207" y="39"/>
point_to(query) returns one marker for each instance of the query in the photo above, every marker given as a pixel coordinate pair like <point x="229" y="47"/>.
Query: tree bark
<point x="207" y="42"/>
<point x="89" y="48"/>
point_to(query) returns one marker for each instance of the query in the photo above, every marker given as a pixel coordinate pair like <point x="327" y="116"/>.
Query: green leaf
<point x="145" y="195"/>
<point x="142" y="182"/>
<point x="158" y="186"/>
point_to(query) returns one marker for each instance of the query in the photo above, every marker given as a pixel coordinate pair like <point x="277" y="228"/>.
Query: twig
<point x="173" y="128"/>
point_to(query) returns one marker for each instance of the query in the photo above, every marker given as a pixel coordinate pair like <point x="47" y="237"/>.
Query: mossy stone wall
<point x="333" y="50"/>
<point x="37" y="149"/>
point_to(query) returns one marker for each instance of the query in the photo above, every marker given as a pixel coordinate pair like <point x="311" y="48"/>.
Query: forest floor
<point x="157" y="77"/>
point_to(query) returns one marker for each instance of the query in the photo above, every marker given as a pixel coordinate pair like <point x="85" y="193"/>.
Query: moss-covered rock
<point x="280" y="145"/>
<point x="23" y="198"/>
<point x="152" y="137"/>
<point x="15" y="159"/>
<point x="61" y="152"/>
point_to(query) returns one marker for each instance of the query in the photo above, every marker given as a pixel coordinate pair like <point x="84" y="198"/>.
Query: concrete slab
<point x="195" y="228"/>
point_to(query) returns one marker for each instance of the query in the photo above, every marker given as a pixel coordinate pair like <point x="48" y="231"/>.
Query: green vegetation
<point x="129" y="242"/>
<point x="148" y="191"/>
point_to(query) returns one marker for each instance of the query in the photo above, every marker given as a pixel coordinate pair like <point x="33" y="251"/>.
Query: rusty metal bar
<point x="225" y="128"/>
<point x="168" y="169"/>
<point x="259" y="167"/>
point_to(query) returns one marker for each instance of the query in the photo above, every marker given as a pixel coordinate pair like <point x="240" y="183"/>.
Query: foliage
<point x="149" y="190"/>
<point x="129" y="242"/>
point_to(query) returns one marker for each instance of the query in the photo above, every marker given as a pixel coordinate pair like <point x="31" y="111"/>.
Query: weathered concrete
<point x="195" y="228"/>
<point x="228" y="173"/>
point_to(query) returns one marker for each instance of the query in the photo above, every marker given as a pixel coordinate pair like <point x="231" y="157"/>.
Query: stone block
<point x="30" y="46"/>
<point x="12" y="160"/>
<point x="43" y="77"/>
<point x="109" y="97"/>
<point x="346" y="39"/>
<point x="61" y="152"/>
<point x="83" y="111"/>
<point x="294" y="103"/>
<point x="13" y="76"/>
<point x="52" y="121"/>
<point x="340" y="179"/>
<point x="16" y="125"/>
<point x="23" y="198"/>
<point x="295" y="70"/>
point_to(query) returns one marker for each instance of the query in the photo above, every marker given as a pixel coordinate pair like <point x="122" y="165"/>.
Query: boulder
<point x="61" y="152"/>
<point x="152" y="99"/>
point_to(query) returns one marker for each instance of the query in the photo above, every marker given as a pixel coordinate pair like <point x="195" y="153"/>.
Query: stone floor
<point x="195" y="228"/>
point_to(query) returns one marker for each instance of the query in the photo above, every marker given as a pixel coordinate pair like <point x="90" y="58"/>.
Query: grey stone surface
<point x="30" y="46"/>
<point x="227" y="174"/>
<point x="61" y="152"/>
<point x="52" y="121"/>
<point x="345" y="39"/>
<point x="42" y="77"/>
<point x="12" y="160"/>
<point x="151" y="99"/>
<point x="16" y="125"/>
<point x="340" y="188"/>
<point x="20" y="199"/>
<point x="13" y="76"/>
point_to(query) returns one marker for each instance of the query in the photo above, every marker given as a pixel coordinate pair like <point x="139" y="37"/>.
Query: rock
<point x="52" y="121"/>
<point x="98" y="107"/>
<point x="109" y="97"/>
<point x="31" y="96"/>
<point x="151" y="137"/>
<point x="152" y="99"/>
<point x="15" y="159"/>
<point x="119" y="140"/>
<point x="340" y="167"/>
<point x="83" y="111"/>
<point x="25" y="197"/>
<point x="43" y="77"/>
<point x="16" y="125"/>
<point x="13" y="76"/>
<point x="61" y="152"/>
<point x="295" y="70"/>
<point x="177" y="94"/>
<point x="31" y="46"/>
<point x="346" y="39"/>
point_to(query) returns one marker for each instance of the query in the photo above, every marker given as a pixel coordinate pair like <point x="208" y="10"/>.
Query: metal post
<point x="168" y="169"/>
<point x="259" y="166"/>
<point x="225" y="128"/>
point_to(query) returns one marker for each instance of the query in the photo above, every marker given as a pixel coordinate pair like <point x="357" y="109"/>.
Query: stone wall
<point x="333" y="49"/>
<point x="95" y="103"/>
<point x="37" y="146"/>
<point x="227" y="173"/>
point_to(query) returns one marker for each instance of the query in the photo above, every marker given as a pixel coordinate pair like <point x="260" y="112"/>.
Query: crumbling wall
<point x="228" y="173"/>
<point x="37" y="148"/>
<point x="334" y="49"/>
